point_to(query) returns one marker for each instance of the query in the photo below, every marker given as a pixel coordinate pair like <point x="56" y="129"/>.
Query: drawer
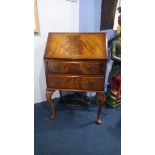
<point x="75" y="82"/>
<point x="89" y="83"/>
<point x="76" y="67"/>
<point x="59" y="82"/>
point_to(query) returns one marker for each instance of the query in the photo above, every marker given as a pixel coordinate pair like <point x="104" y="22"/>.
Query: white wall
<point x="54" y="16"/>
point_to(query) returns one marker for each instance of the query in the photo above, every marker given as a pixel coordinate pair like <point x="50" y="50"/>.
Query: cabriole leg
<point x="50" y="103"/>
<point x="101" y="100"/>
<point x="60" y="94"/>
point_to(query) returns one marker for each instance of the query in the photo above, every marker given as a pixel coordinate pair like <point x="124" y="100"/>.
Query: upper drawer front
<point x="76" y="67"/>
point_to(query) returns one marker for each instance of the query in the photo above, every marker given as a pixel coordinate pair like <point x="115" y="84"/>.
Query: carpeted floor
<point x="74" y="131"/>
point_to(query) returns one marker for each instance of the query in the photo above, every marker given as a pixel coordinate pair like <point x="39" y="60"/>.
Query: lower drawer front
<point x="59" y="82"/>
<point x="75" y="82"/>
<point x="89" y="83"/>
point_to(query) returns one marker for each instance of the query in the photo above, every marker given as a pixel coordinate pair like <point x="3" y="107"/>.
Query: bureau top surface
<point x="76" y="46"/>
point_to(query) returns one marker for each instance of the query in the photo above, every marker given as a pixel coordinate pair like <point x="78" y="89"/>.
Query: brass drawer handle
<point x="91" y="84"/>
<point x="102" y="68"/>
<point x="92" y="69"/>
<point x="58" y="82"/>
<point x="57" y="67"/>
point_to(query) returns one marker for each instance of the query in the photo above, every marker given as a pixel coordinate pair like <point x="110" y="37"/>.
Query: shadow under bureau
<point x="75" y="62"/>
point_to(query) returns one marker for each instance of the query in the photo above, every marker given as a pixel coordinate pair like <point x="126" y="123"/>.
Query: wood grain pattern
<point x="76" y="67"/>
<point x="75" y="82"/>
<point x="89" y="83"/>
<point x="57" y="82"/>
<point x="76" y="46"/>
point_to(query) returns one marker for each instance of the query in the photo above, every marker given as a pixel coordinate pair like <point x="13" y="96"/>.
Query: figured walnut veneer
<point x="76" y="67"/>
<point x="76" y="46"/>
<point x="76" y="62"/>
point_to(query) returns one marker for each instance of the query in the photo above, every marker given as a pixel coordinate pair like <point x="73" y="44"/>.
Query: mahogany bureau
<point x="75" y="62"/>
